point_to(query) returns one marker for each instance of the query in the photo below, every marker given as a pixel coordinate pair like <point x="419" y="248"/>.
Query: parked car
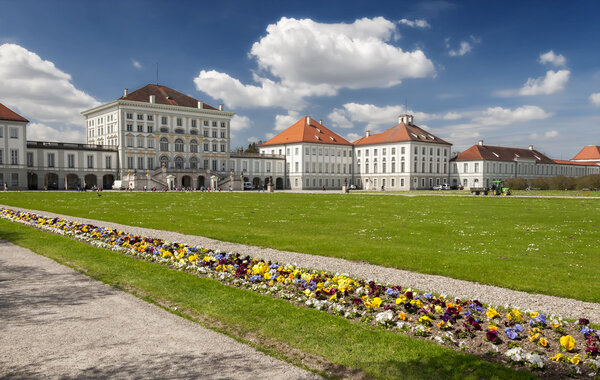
<point x="444" y="186"/>
<point x="248" y="186"/>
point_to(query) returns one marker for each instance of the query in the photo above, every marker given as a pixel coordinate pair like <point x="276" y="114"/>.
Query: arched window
<point x="194" y="162"/>
<point x="178" y="163"/>
<point x="194" y="146"/>
<point x="164" y="145"/>
<point x="179" y="145"/>
<point x="164" y="161"/>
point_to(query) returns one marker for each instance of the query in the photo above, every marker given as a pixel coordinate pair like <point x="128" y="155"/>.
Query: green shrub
<point x="516" y="183"/>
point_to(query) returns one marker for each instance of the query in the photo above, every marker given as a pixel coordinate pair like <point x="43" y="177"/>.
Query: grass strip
<point x="273" y="325"/>
<point x="545" y="246"/>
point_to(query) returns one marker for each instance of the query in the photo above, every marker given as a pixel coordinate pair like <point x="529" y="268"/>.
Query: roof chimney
<point x="126" y="92"/>
<point x="308" y="120"/>
<point x="200" y="104"/>
<point x="321" y="121"/>
<point x="220" y="107"/>
<point x="530" y="147"/>
<point x="368" y="133"/>
<point x="152" y="97"/>
<point x="480" y="142"/>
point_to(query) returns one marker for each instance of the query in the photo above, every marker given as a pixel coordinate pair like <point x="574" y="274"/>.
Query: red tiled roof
<point x="8" y="114"/>
<point x="565" y="162"/>
<point x="302" y="131"/>
<point x="164" y="95"/>
<point x="401" y="132"/>
<point x="590" y="152"/>
<point x="501" y="153"/>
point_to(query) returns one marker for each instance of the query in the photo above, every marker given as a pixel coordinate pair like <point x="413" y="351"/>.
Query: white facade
<point x="13" y="144"/>
<point x="315" y="165"/>
<point x="149" y="135"/>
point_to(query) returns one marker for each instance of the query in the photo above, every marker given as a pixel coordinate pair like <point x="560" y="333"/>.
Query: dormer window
<point x="332" y="138"/>
<point x="317" y="137"/>
<point x="496" y="154"/>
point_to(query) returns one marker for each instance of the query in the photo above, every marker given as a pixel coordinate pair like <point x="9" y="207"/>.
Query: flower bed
<point x="546" y="343"/>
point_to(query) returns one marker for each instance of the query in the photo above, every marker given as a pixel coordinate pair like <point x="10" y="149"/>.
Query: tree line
<point x="589" y="182"/>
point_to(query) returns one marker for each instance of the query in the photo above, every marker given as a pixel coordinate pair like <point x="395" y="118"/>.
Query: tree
<point x="516" y="183"/>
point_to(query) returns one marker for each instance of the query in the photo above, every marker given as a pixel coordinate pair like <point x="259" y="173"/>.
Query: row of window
<point x="438" y="168"/>
<point x="509" y="168"/>
<point x="14" y="132"/>
<point x="109" y="118"/>
<point x="14" y="156"/>
<point x="323" y="168"/>
<point x="438" y="151"/>
<point x="164" y="120"/>
<point x="178" y="163"/>
<point x="51" y="160"/>
<point x="322" y="182"/>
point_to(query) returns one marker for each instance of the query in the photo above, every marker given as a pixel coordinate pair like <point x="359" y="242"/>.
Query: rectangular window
<point x="108" y="162"/>
<point x="140" y="128"/>
<point x="206" y="123"/>
<point x="14" y="133"/>
<point x="206" y="147"/>
<point x="50" y="160"/>
<point x="90" y="162"/>
<point x="465" y="168"/>
<point x="14" y="179"/>
<point x="222" y="135"/>
<point x="205" y="133"/>
<point x="130" y="163"/>
<point x="149" y="129"/>
<point x="402" y="150"/>
<point x="129" y="127"/>
<point x="476" y="167"/>
<point x="130" y="141"/>
<point x="140" y="117"/>
<point x="223" y="124"/>
<point x="140" y="163"/>
<point x="214" y="123"/>
<point x="163" y="120"/>
<point x="1" y="132"/>
<point x="222" y="147"/>
<point x="150" y="118"/>
<point x="129" y="115"/>
<point x="14" y="157"/>
<point x="29" y="159"/>
<point x="179" y="122"/>
<point x="71" y="160"/>
<point x="150" y="162"/>
<point x="214" y="134"/>
<point x="214" y="147"/>
<point x="193" y="123"/>
<point x="150" y="142"/>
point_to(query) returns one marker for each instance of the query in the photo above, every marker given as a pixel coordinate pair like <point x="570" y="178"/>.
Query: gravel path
<point x="565" y="307"/>
<point x="58" y="323"/>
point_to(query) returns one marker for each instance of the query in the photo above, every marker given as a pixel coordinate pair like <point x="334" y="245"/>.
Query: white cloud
<point x="284" y="121"/>
<point x="416" y="23"/>
<point x="503" y="116"/>
<point x="464" y="48"/>
<point x="38" y="89"/>
<point x="352" y="136"/>
<point x="553" y="82"/>
<point x="548" y="135"/>
<point x="240" y="122"/>
<point x="595" y="99"/>
<point x="136" y="64"/>
<point x="253" y="139"/>
<point x="554" y="59"/>
<point x="308" y="58"/>
<point x="375" y="117"/>
<point x="43" y="132"/>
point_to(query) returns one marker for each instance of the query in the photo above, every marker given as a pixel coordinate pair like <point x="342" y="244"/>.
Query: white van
<point x="248" y="185"/>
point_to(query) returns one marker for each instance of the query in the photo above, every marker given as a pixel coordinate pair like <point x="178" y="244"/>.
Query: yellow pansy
<point x="438" y="309"/>
<point x="567" y="342"/>
<point x="491" y="313"/>
<point x="333" y="297"/>
<point x="543" y="342"/>
<point x="376" y="302"/>
<point x="401" y="299"/>
<point x="557" y="357"/>
<point x="576" y="359"/>
<point x="402" y="316"/>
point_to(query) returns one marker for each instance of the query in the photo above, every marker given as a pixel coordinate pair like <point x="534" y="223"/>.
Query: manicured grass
<point x="273" y="324"/>
<point x="547" y="246"/>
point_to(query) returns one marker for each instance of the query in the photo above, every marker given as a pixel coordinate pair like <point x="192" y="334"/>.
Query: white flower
<point x="516" y="354"/>
<point x="385" y="317"/>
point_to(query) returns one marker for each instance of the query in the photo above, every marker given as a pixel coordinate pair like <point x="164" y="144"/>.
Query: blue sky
<point x="510" y="73"/>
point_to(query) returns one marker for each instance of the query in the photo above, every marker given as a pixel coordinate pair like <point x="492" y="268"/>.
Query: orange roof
<point x="564" y="162"/>
<point x="307" y="130"/>
<point x="163" y="95"/>
<point x="590" y="152"/>
<point x="501" y="153"/>
<point x="8" y="114"/>
<point x="401" y="132"/>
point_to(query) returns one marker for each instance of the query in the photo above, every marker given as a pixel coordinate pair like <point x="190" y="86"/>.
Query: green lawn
<point x="272" y="325"/>
<point x="545" y="246"/>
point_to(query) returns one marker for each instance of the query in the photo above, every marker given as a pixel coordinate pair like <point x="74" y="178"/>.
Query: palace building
<point x="159" y="137"/>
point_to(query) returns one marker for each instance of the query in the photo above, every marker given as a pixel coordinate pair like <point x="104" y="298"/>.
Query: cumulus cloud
<point x="464" y="47"/>
<point x="38" y="89"/>
<point x="240" y="122"/>
<point x="352" y="136"/>
<point x="503" y="116"/>
<point x="284" y="121"/>
<point x="595" y="99"/>
<point x="416" y="23"/>
<point x="548" y="135"/>
<point x="43" y="132"/>
<point x="553" y="59"/>
<point x="553" y="82"/>
<point x="307" y="58"/>
<point x="376" y="117"/>
<point x="136" y="64"/>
